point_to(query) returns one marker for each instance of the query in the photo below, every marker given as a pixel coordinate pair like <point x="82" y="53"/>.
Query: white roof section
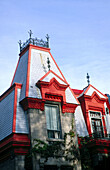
<point x="39" y="68"/>
<point x="92" y="89"/>
<point x="89" y="90"/>
<point x="70" y="97"/>
<point x="39" y="71"/>
<point x="81" y="128"/>
<point x="53" y="75"/>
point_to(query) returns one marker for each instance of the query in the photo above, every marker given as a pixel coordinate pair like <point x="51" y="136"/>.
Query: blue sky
<point x="79" y="33"/>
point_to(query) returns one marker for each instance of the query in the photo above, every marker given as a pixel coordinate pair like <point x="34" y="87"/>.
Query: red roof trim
<point x="28" y="71"/>
<point x="95" y="89"/>
<point x="7" y="92"/>
<point x="14" y="111"/>
<point x="58" y="67"/>
<point x="77" y="91"/>
<point x="54" y="74"/>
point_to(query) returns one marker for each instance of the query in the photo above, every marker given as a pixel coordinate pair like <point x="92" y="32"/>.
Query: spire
<point x="88" y="79"/>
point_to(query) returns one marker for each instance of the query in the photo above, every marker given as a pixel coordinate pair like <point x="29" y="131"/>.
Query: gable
<point x="90" y="90"/>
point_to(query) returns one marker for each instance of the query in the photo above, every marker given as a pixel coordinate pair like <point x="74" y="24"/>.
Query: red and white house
<point x="41" y="104"/>
<point x="94" y="108"/>
<point x="38" y="104"/>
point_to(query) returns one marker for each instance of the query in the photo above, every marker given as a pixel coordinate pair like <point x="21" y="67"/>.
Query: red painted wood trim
<point x="18" y="144"/>
<point x="95" y="89"/>
<point x="40" y="48"/>
<point x="15" y="110"/>
<point x="34" y="47"/>
<point x="28" y="72"/>
<point x="5" y="94"/>
<point x="54" y="74"/>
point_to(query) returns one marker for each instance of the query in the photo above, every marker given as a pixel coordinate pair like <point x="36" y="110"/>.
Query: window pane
<point x="52" y="121"/>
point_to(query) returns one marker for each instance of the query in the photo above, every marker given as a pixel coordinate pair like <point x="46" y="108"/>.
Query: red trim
<point x="97" y="145"/>
<point x="40" y="48"/>
<point x="6" y="93"/>
<point x="34" y="47"/>
<point x="77" y="91"/>
<point x="58" y="67"/>
<point x="53" y="87"/>
<point x="14" y="143"/>
<point x="28" y="71"/>
<point x="95" y="89"/>
<point x="69" y="108"/>
<point x="54" y="74"/>
<point x="15" y="109"/>
<point x="32" y="103"/>
<point x="92" y="103"/>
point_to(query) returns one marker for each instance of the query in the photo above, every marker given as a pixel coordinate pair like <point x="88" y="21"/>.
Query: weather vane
<point x="30" y="33"/>
<point x="88" y="79"/>
<point x="48" y="62"/>
<point x="20" y="44"/>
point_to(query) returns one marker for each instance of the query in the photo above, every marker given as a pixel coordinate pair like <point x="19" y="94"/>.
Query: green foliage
<point x="84" y="152"/>
<point x="66" y="148"/>
<point x="47" y="150"/>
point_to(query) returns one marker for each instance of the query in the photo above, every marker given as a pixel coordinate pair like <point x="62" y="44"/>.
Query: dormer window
<point x="53" y="121"/>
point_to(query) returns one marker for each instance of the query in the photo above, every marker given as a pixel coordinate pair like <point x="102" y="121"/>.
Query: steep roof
<point x="32" y="67"/>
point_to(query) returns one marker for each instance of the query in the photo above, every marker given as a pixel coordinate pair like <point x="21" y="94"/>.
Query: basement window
<point x="53" y="121"/>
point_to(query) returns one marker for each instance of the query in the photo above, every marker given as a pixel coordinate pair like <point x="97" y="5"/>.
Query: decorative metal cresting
<point x="34" y="41"/>
<point x="48" y="62"/>
<point x="88" y="79"/>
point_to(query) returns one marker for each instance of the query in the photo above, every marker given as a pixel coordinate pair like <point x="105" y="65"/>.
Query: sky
<point x="79" y="33"/>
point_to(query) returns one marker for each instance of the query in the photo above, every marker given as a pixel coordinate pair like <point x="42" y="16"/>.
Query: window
<point x="96" y="123"/>
<point x="53" y="121"/>
<point x="97" y="128"/>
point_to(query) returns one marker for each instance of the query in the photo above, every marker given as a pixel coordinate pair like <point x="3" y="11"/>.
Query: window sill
<point x="55" y="140"/>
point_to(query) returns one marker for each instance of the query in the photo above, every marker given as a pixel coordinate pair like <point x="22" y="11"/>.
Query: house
<point x="95" y="127"/>
<point x="39" y="104"/>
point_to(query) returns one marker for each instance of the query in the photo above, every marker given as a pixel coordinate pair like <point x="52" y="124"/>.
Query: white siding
<point x="39" y="69"/>
<point x="6" y="115"/>
<point x="91" y="90"/>
<point x="69" y="96"/>
<point x="81" y="128"/>
<point x="21" y="117"/>
<point x="50" y="76"/>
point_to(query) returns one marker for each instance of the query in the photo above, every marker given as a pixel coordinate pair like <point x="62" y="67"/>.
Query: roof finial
<point x="88" y="79"/>
<point x="30" y="33"/>
<point x="20" y="44"/>
<point x="48" y="62"/>
<point x="47" y="37"/>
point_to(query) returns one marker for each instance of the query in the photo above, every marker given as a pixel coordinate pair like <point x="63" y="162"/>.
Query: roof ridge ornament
<point x="48" y="62"/>
<point x="30" y="33"/>
<point x="88" y="79"/>
<point x="34" y="41"/>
